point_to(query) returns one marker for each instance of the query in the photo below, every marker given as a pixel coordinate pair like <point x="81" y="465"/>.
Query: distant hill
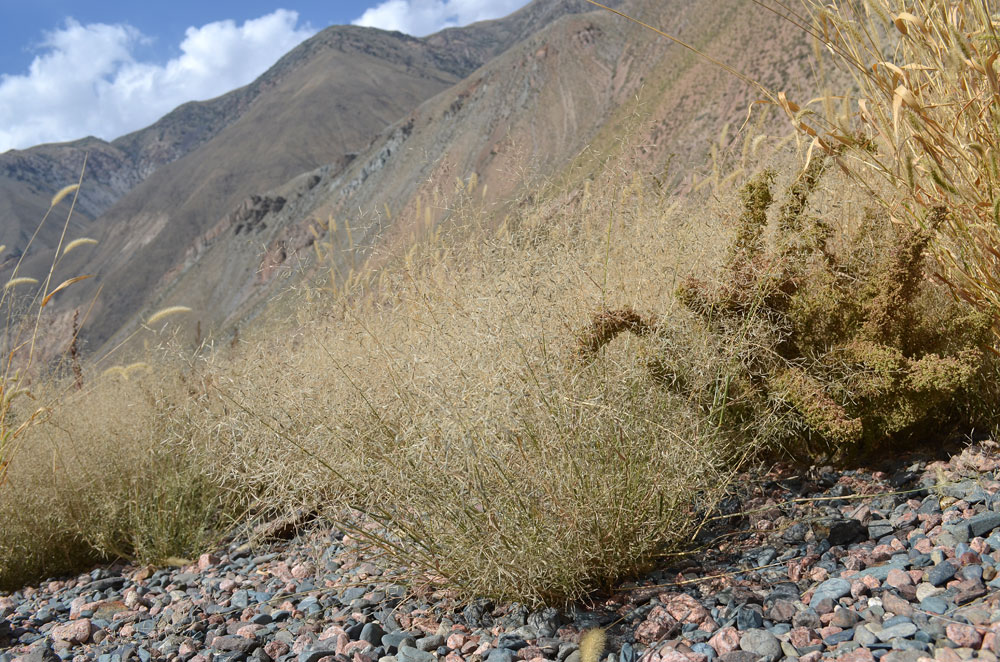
<point x="374" y="129"/>
<point x="527" y="116"/>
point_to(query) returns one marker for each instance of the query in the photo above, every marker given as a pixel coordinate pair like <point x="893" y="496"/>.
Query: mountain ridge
<point x="213" y="228"/>
<point x="546" y="101"/>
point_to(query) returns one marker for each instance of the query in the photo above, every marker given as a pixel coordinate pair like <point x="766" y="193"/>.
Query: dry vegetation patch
<point x="538" y="407"/>
<point x="119" y="470"/>
<point x="450" y="406"/>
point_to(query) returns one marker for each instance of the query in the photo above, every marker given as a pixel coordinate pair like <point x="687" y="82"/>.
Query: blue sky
<point x="72" y="68"/>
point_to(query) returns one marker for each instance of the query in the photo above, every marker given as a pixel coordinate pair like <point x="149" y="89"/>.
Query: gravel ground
<point x="897" y="565"/>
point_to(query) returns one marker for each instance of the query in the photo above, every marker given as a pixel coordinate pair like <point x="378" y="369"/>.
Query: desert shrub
<point x="859" y="346"/>
<point x="838" y="332"/>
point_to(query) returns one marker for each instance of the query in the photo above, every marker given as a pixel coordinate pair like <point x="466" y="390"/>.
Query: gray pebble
<point x="762" y="643"/>
<point x="941" y="573"/>
<point x="958" y="490"/>
<point x="839" y="637"/>
<point x="934" y="604"/>
<point x="566" y="649"/>
<point x="412" y="654"/>
<point x="833" y="589"/>
<point x="41" y="653"/>
<point x="629" y="654"/>
<point x="795" y="533"/>
<point x="740" y="656"/>
<point x="899" y="630"/>
<point x="984" y="523"/>
<point x="430" y="643"/>
<point x="749" y="617"/>
<point x="546" y="622"/>
<point x="396" y="640"/>
<point x="315" y="654"/>
<point x="511" y="640"/>
<point x="880" y="528"/>
<point x="960" y="531"/>
<point x="240" y="600"/>
<point x="881" y="572"/>
<point x="863" y="636"/>
<point x="232" y="642"/>
<point x="372" y="633"/>
<point x="807" y="618"/>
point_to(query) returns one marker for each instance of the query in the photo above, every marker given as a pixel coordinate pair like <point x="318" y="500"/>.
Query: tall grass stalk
<point x="23" y="318"/>
<point x="924" y="119"/>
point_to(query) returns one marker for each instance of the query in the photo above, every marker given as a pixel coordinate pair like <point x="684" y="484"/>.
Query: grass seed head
<point x="62" y="193"/>
<point x="167" y="312"/>
<point x="592" y="645"/>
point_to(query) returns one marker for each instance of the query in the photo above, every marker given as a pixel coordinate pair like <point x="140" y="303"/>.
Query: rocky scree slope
<point x="895" y="564"/>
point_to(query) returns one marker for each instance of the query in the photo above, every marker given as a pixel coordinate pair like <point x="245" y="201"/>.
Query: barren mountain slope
<point x="29" y="177"/>
<point x="323" y="102"/>
<point x="588" y="79"/>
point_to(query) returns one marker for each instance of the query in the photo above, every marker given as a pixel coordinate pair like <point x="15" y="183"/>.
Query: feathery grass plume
<point x="167" y="312"/>
<point x="176" y="561"/>
<point x="19" y="337"/>
<point x="115" y="371"/>
<point x="62" y="193"/>
<point x="20" y="280"/>
<point x="592" y="645"/>
<point x="139" y="366"/>
<point x="76" y="243"/>
<point x="62" y="286"/>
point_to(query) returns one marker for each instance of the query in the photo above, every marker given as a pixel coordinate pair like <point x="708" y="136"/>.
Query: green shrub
<point x="827" y="342"/>
<point x="861" y="347"/>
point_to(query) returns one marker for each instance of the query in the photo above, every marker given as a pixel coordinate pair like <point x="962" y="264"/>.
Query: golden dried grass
<point x="922" y="120"/>
<point x="22" y="319"/>
<point x="77" y="243"/>
<point x="117" y="470"/>
<point x="62" y="193"/>
<point x="20" y="280"/>
<point x="165" y="313"/>
<point x="443" y="399"/>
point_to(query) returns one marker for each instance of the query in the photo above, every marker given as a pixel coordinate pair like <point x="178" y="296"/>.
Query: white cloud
<point x="88" y="82"/>
<point x="423" y="17"/>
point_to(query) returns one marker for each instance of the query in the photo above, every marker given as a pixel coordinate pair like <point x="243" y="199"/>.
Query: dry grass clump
<point x="537" y="408"/>
<point x="925" y="118"/>
<point x="451" y="409"/>
<point x="118" y="470"/>
<point x="100" y="469"/>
